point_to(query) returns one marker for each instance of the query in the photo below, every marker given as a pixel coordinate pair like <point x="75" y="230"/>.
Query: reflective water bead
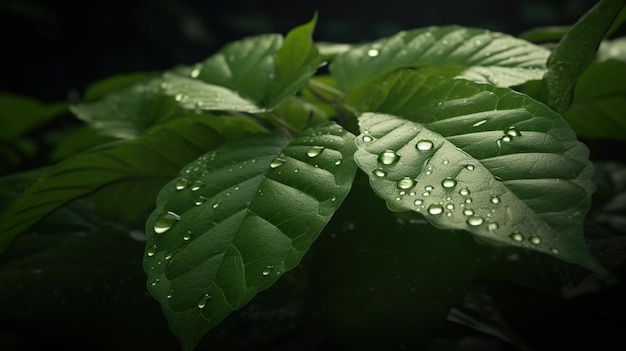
<point x="268" y="270"/>
<point x="448" y="183"/>
<point x="165" y="222"/>
<point x="203" y="301"/>
<point x="513" y="132"/>
<point x="373" y="52"/>
<point x="314" y="151"/>
<point x="418" y="202"/>
<point x="464" y="191"/>
<point x="277" y="162"/>
<point x="517" y="236"/>
<point x="388" y="157"/>
<point x="379" y="172"/>
<point x="406" y="183"/>
<point x="424" y="145"/>
<point x="494" y="199"/>
<point x="197" y="185"/>
<point x="534" y="239"/>
<point x="181" y="184"/>
<point x="474" y="220"/>
<point x="435" y="209"/>
<point x="367" y="138"/>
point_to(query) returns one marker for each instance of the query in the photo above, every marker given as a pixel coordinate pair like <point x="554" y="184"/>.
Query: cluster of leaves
<point x="469" y="138"/>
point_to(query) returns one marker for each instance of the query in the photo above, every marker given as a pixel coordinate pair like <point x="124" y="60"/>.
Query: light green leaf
<point x="145" y="163"/>
<point x="576" y="50"/>
<point x="597" y="110"/>
<point x="478" y="158"/>
<point x="476" y="54"/>
<point x="237" y="218"/>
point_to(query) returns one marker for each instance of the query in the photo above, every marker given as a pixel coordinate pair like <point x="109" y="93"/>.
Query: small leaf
<point x="597" y="110"/>
<point x="237" y="218"/>
<point x="146" y="162"/>
<point x="478" y="158"/>
<point x="20" y="114"/>
<point x="475" y="54"/>
<point x="576" y="50"/>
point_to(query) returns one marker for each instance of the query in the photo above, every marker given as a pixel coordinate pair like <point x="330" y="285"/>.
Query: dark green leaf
<point x="150" y="160"/>
<point x="551" y="34"/>
<point x="475" y="54"/>
<point x="237" y="218"/>
<point x="20" y="114"/>
<point x="79" y="140"/>
<point x="111" y="84"/>
<point x="597" y="110"/>
<point x="576" y="50"/>
<point x="478" y="158"/>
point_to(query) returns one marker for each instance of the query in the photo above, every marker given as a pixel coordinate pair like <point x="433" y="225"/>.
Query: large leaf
<point x="237" y="218"/>
<point x="597" y="110"/>
<point x="145" y="163"/>
<point x="20" y="114"/>
<point x="479" y="158"/>
<point x="576" y="50"/>
<point x="475" y="54"/>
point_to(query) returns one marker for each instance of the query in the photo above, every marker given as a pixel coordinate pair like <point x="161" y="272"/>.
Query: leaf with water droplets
<point x="123" y="178"/>
<point x="265" y="200"/>
<point x="474" y="54"/>
<point x="537" y="183"/>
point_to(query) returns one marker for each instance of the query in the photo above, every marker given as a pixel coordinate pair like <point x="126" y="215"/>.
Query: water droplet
<point x="498" y="178"/>
<point x="426" y="193"/>
<point x="314" y="151"/>
<point x="448" y="183"/>
<point x="170" y="294"/>
<point x="152" y="251"/>
<point x="333" y="199"/>
<point x="195" y="72"/>
<point x="379" y="173"/>
<point x="464" y="191"/>
<point x="450" y="206"/>
<point x="492" y="226"/>
<point x="435" y="209"/>
<point x="197" y="185"/>
<point x="277" y="162"/>
<point x="388" y="157"/>
<point x="200" y="200"/>
<point x="216" y="205"/>
<point x="495" y="200"/>
<point x="474" y="220"/>
<point x="187" y="235"/>
<point x="418" y="202"/>
<point x="506" y="138"/>
<point x="406" y="183"/>
<point x="268" y="270"/>
<point x="168" y="256"/>
<point x="468" y="200"/>
<point x="337" y="163"/>
<point x="534" y="239"/>
<point x="428" y="188"/>
<point x="468" y="212"/>
<point x="513" y="132"/>
<point x="155" y="282"/>
<point x="165" y="221"/>
<point x="424" y="145"/>
<point x="517" y="236"/>
<point x="367" y="138"/>
<point x="203" y="301"/>
<point x="180" y="97"/>
<point x="469" y="167"/>
<point x="373" y="52"/>
<point x="554" y="250"/>
<point x="445" y="161"/>
<point x="479" y="123"/>
<point x="181" y="184"/>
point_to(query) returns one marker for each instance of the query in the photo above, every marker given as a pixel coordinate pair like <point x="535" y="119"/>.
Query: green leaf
<point x="128" y="112"/>
<point x="20" y="114"/>
<point x="111" y="84"/>
<point x="597" y="110"/>
<point x="576" y="50"/>
<point x="145" y="163"/>
<point x="296" y="61"/>
<point x="478" y="158"/>
<point x="237" y="218"/>
<point x="475" y="54"/>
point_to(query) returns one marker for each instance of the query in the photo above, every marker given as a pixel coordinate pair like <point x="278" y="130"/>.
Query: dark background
<point x="52" y="49"/>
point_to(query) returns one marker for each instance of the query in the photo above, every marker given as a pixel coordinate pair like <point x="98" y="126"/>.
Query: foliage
<point x="368" y="189"/>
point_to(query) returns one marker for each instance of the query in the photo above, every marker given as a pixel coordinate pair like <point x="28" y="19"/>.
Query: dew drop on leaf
<point x="267" y="271"/>
<point x="388" y="157"/>
<point x="469" y="167"/>
<point x="314" y="151"/>
<point x="367" y="138"/>
<point x="165" y="222"/>
<point x="468" y="212"/>
<point x="464" y="191"/>
<point x="181" y="184"/>
<point x="495" y="200"/>
<point x="195" y="72"/>
<point x="187" y="235"/>
<point x="435" y="209"/>
<point x="203" y="301"/>
<point x="197" y="185"/>
<point x="216" y="205"/>
<point x="379" y="172"/>
<point x="512" y="132"/>
<point x="479" y="123"/>
<point x="277" y="162"/>
<point x="448" y="183"/>
<point x="554" y="250"/>
<point x="406" y="183"/>
<point x="200" y="200"/>
<point x="418" y="202"/>
<point x="373" y="53"/>
<point x="424" y="145"/>
<point x="517" y="236"/>
<point x="152" y="251"/>
<point x="534" y="239"/>
<point x="474" y="220"/>
<point x="492" y="226"/>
